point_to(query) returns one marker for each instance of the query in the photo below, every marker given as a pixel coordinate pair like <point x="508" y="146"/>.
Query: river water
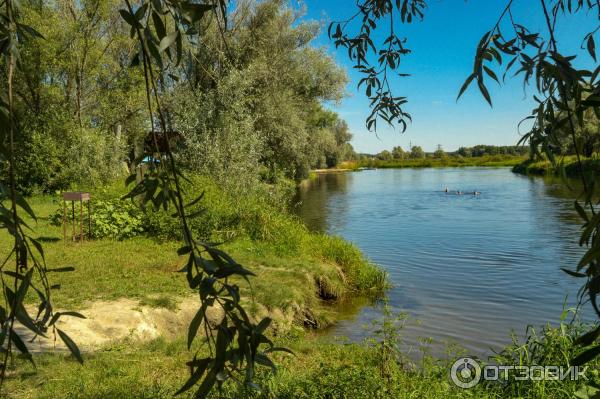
<point x="466" y="269"/>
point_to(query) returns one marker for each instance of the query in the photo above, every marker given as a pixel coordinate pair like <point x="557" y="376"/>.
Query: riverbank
<point x="319" y="369"/>
<point x="449" y="161"/>
<point x="298" y="274"/>
<point x="569" y="164"/>
<point x="429" y="162"/>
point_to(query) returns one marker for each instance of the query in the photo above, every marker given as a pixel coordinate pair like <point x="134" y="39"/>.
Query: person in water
<point x="446" y="190"/>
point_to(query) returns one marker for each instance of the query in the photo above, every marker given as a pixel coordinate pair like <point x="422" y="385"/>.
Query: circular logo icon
<point x="465" y="373"/>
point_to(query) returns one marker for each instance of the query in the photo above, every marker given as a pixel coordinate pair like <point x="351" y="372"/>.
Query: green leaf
<point x="184" y="250"/>
<point x="132" y="178"/>
<point x="128" y="18"/>
<point x="197" y="374"/>
<point x="71" y="345"/>
<point x="141" y="12"/>
<point x="586" y="356"/>
<point x="194" y="12"/>
<point x="159" y="26"/>
<point x="265" y="361"/>
<point x="25" y="206"/>
<point x="135" y="61"/>
<point x="279" y="349"/>
<point x="168" y="40"/>
<point x="591" y="47"/>
<point x="26" y="30"/>
<point x="491" y="73"/>
<point x="263" y="325"/>
<point x="588" y="338"/>
<point x="581" y="211"/>
<point x="206" y="386"/>
<point x="465" y="85"/>
<point x="484" y="91"/>
<point x="20" y="345"/>
<point x="73" y="314"/>
<point x="195" y="324"/>
<point x="22" y="291"/>
<point x="38" y="246"/>
<point x="155" y="53"/>
<point x="592" y="254"/>
<point x="572" y="273"/>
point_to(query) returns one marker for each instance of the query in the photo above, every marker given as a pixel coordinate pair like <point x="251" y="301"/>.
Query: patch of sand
<point x="111" y="321"/>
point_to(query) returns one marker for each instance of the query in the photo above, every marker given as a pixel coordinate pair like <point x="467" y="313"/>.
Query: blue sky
<point x="443" y="46"/>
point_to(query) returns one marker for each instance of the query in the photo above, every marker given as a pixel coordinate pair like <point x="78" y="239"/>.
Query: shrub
<point x="110" y="218"/>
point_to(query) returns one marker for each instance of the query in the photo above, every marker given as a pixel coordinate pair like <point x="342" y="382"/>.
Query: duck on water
<point x="458" y="192"/>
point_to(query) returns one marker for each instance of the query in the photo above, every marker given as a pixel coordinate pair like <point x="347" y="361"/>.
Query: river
<point x="466" y="269"/>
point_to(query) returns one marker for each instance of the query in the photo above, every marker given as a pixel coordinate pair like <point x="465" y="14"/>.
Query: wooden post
<point x="65" y="220"/>
<point x="80" y="220"/>
<point x="89" y="220"/>
<point x="73" y="214"/>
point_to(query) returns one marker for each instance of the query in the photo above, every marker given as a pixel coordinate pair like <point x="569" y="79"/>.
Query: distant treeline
<point x="416" y="152"/>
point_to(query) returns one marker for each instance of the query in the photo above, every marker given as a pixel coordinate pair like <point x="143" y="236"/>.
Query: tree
<point x="398" y="152"/>
<point x="159" y="27"/>
<point x="439" y="152"/>
<point x="560" y="142"/>
<point x="26" y="255"/>
<point x="242" y="118"/>
<point x="80" y="109"/>
<point x="417" y="152"/>
<point x="385" y="155"/>
<point x="464" y="152"/>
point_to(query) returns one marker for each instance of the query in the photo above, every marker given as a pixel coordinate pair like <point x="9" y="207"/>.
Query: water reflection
<point x="316" y="198"/>
<point x="471" y="268"/>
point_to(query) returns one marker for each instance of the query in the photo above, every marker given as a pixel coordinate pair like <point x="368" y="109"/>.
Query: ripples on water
<point x="469" y="268"/>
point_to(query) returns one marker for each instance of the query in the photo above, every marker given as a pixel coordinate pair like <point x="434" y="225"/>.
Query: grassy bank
<point x="320" y="368"/>
<point x="298" y="273"/>
<point x="568" y="163"/>
<point x="449" y="161"/>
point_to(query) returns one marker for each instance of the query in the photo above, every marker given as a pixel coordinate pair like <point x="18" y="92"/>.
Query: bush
<point x="110" y="218"/>
<point x="215" y="218"/>
<point x="225" y="213"/>
<point x="116" y="219"/>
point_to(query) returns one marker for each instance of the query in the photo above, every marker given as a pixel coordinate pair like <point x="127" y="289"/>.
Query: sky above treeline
<point x="443" y="46"/>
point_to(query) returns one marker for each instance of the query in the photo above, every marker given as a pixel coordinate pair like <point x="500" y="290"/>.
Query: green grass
<point x="569" y="163"/>
<point x="450" y="161"/>
<point x="297" y="272"/>
<point x="320" y="368"/>
<point x="159" y="301"/>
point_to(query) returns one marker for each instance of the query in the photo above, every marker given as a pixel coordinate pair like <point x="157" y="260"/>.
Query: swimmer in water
<point x="446" y="190"/>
